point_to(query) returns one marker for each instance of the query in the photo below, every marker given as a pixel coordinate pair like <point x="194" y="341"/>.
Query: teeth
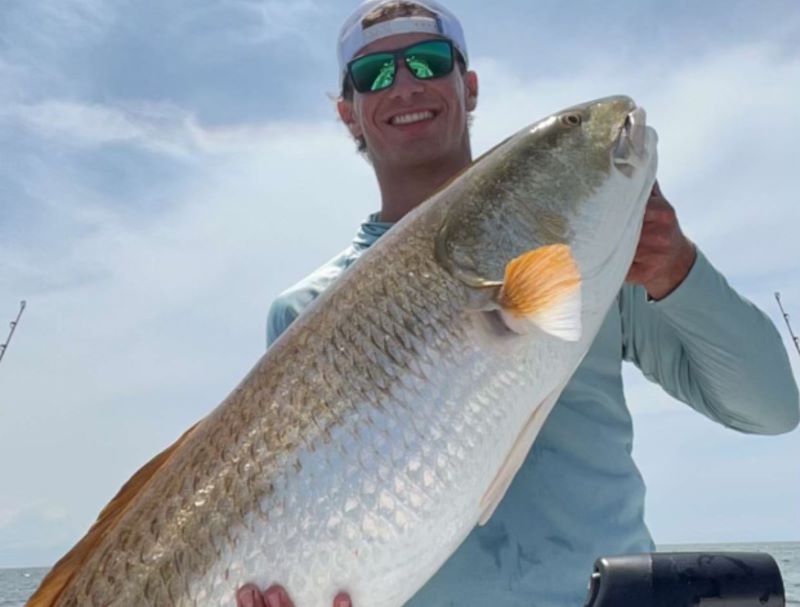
<point x="411" y="118"/>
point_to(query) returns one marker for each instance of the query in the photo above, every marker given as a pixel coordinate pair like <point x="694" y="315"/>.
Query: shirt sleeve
<point x="714" y="350"/>
<point x="282" y="313"/>
<point x="288" y="305"/>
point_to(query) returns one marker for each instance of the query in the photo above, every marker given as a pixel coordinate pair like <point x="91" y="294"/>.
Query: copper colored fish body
<point x="389" y="419"/>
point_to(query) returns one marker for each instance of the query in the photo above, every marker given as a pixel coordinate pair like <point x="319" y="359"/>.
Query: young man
<point x="579" y="494"/>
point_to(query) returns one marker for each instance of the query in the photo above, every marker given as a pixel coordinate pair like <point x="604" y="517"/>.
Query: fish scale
<point x="385" y="422"/>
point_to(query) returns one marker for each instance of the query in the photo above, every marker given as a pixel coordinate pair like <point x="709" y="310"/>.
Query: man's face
<point x="413" y="122"/>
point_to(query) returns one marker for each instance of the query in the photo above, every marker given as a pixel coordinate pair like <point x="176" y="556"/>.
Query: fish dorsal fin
<point x="57" y="580"/>
<point x="513" y="462"/>
<point x="542" y="289"/>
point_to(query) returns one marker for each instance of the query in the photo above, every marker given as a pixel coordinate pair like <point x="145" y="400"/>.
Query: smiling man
<point x="406" y="97"/>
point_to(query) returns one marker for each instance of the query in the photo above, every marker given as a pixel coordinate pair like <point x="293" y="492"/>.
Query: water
<point x="16" y="585"/>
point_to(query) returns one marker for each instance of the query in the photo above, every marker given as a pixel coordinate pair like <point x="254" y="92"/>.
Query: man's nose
<point x="405" y="85"/>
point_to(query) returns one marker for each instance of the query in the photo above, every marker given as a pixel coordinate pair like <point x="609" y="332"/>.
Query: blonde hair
<point x="393" y="10"/>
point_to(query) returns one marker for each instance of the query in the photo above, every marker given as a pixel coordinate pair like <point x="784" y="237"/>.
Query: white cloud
<point x="161" y="128"/>
<point x="46" y="512"/>
<point x="13" y="81"/>
<point x="244" y="22"/>
<point x="280" y="18"/>
<point x="158" y="128"/>
<point x="57" y="24"/>
<point x="38" y="36"/>
<point x="7" y="516"/>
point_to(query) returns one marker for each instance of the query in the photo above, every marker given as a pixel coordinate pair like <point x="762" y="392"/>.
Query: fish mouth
<point x="630" y="150"/>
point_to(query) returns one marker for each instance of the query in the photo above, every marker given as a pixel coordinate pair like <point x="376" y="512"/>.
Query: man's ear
<point x="348" y="116"/>
<point x="471" y="90"/>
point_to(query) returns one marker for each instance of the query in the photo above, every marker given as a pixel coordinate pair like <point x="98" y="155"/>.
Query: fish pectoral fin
<point x="542" y="288"/>
<point x="513" y="462"/>
<point x="61" y="575"/>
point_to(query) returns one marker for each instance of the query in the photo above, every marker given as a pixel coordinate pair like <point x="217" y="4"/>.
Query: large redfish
<point x="390" y="418"/>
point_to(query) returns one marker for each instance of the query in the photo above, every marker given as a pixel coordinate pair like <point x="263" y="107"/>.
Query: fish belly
<point x="380" y="506"/>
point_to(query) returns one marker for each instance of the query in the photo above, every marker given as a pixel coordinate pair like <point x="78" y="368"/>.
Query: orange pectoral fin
<point x="542" y="289"/>
<point x="57" y="580"/>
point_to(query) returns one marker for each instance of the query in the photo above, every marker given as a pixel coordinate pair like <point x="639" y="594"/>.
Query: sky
<point x="168" y="168"/>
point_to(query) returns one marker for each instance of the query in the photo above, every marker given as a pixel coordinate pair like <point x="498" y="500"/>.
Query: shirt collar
<point x="371" y="230"/>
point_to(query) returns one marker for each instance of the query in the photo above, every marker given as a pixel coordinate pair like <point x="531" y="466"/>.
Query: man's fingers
<point x="657" y="189"/>
<point x="658" y="209"/>
<point x="276" y="596"/>
<point x="249" y="596"/>
<point x="655" y="238"/>
<point x="640" y="273"/>
<point x="653" y="243"/>
<point x="636" y="273"/>
<point x="342" y="600"/>
<point x="659" y="215"/>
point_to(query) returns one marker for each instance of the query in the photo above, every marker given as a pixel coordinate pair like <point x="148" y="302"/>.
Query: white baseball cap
<point x="354" y="36"/>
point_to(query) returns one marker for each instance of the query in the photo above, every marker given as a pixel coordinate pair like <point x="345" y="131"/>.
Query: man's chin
<point x="417" y="154"/>
<point x="415" y="149"/>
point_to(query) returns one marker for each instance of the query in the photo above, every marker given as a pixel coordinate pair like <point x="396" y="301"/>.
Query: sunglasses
<point x="425" y="60"/>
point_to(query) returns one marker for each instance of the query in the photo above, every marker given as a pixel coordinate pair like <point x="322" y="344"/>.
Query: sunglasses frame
<point x="400" y="54"/>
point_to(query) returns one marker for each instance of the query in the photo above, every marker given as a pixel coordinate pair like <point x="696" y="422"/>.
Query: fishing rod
<point x="14" y="323"/>
<point x="786" y="320"/>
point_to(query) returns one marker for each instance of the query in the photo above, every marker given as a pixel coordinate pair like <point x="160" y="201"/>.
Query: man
<point x="579" y="494"/>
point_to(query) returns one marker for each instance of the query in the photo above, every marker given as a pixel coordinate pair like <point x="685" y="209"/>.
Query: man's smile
<point x="413" y="117"/>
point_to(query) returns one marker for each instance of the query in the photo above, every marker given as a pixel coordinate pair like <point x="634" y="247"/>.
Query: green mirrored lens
<point x="429" y="59"/>
<point x="419" y="67"/>
<point x="373" y="72"/>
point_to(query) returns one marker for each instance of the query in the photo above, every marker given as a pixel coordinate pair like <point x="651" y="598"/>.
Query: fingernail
<point x="274" y="597"/>
<point x="246" y="597"/>
<point x="342" y="600"/>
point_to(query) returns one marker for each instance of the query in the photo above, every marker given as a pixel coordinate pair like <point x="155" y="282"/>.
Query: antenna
<point x="14" y="323"/>
<point x="786" y="319"/>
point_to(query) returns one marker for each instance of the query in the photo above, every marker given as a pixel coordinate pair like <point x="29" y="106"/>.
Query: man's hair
<point x="387" y="12"/>
<point x="393" y="10"/>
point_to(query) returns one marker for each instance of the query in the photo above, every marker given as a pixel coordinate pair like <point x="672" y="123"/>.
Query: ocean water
<point x="16" y="585"/>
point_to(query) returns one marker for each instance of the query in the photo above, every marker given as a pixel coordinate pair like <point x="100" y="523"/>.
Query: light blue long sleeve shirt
<point x="579" y="494"/>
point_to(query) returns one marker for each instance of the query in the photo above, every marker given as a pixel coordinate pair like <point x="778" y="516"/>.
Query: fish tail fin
<point x="63" y="572"/>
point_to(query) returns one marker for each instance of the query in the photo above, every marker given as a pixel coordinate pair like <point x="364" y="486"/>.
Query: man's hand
<point x="664" y="255"/>
<point x="249" y="595"/>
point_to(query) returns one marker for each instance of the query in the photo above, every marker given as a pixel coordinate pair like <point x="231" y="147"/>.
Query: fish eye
<point x="571" y="119"/>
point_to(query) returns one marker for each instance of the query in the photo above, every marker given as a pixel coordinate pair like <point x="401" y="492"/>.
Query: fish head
<point x="613" y="155"/>
<point x="580" y="177"/>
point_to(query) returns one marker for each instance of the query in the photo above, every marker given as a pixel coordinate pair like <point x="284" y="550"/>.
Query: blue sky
<point x="168" y="168"/>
